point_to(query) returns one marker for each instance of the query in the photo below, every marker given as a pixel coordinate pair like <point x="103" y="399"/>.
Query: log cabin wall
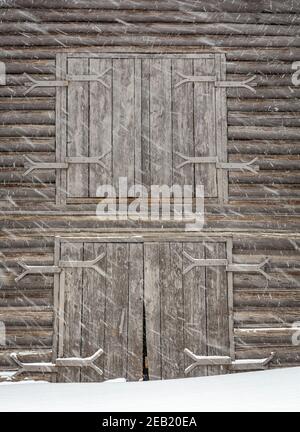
<point x="262" y="214"/>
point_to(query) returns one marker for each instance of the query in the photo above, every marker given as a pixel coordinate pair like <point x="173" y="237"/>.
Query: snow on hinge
<point x="243" y="166"/>
<point x="65" y="164"/>
<point x="226" y="361"/>
<point x="65" y="83"/>
<point x="230" y="267"/>
<point x="61" y="265"/>
<point x="59" y="362"/>
<point x="211" y="78"/>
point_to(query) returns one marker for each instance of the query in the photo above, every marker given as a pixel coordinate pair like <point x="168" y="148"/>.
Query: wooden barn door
<point x="114" y="293"/>
<point x="154" y="119"/>
<point x="102" y="307"/>
<point x="186" y="306"/>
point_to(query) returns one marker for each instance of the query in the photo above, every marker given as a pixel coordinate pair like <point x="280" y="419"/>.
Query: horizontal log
<point x="263" y="147"/>
<point x="283" y="355"/>
<point x="266" y="298"/>
<point x="258" y="119"/>
<point x="13" y="176"/>
<point x="270" y="56"/>
<point x="20" y="91"/>
<point x="255" y="245"/>
<point x="263" y="105"/>
<point x="31" y="338"/>
<point x="265" y="79"/>
<point x="33" y="316"/>
<point x="265" y="177"/>
<point x="27" y="103"/>
<point x="264" y="336"/>
<point x="253" y="132"/>
<point x="274" y="6"/>
<point x="261" y="66"/>
<point x="260" y="315"/>
<point x="36" y="192"/>
<point x="16" y="162"/>
<point x="27" y="144"/>
<point x="34" y="66"/>
<point x="279" y="281"/>
<point x="31" y="117"/>
<point x="31" y="297"/>
<point x="79" y="15"/>
<point x="20" y="244"/>
<point x="19" y="28"/>
<point x="267" y="162"/>
<point x="36" y="282"/>
<point x="265" y="93"/>
<point x="138" y="40"/>
<point x="259" y="192"/>
<point x="27" y="130"/>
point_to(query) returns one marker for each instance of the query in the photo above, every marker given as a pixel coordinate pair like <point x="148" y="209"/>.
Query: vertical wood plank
<point x="72" y="310"/>
<point x="183" y="121"/>
<point x="195" y="291"/>
<point x="93" y="310"/>
<point x="138" y="121"/>
<point x="116" y="313"/>
<point x="161" y="121"/>
<point x="135" y="312"/>
<point x="100" y="132"/>
<point x="172" y="324"/>
<point x="205" y="126"/>
<point x="123" y="120"/>
<point x="217" y="306"/>
<point x="229" y="249"/>
<point x="221" y="127"/>
<point x="78" y="128"/>
<point x="152" y="309"/>
<point x="61" y="128"/>
<point x="145" y="108"/>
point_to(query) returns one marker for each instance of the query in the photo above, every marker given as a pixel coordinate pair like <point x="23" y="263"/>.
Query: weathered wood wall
<point x="259" y="38"/>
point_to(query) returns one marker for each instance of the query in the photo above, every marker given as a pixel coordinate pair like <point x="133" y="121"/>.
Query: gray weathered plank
<point x="205" y="126"/>
<point x="78" y="128"/>
<point x="195" y="292"/>
<point x="100" y="128"/>
<point x="93" y="310"/>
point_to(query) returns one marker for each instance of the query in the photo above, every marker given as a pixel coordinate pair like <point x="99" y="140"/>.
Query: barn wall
<point x="258" y="38"/>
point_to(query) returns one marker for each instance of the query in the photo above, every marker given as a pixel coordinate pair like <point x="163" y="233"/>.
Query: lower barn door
<point x="102" y="307"/>
<point x="186" y="306"/>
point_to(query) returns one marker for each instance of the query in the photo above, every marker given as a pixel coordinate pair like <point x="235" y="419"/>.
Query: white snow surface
<point x="272" y="390"/>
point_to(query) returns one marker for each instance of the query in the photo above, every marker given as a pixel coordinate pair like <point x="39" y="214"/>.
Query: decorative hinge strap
<point x="69" y="78"/>
<point x="247" y="166"/>
<point x="65" y="165"/>
<point x="59" y="362"/>
<point x="230" y="267"/>
<point x="249" y="364"/>
<point x="212" y="78"/>
<point x="61" y="265"/>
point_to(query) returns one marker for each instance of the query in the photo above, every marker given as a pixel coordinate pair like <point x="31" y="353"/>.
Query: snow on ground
<point x="274" y="390"/>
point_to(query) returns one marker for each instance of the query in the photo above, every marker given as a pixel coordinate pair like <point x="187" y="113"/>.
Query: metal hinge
<point x="59" y="362"/>
<point x="217" y="83"/>
<point x="230" y="267"/>
<point x="69" y="78"/>
<point x="226" y="361"/>
<point x="247" y="166"/>
<point x="65" y="164"/>
<point x="55" y="269"/>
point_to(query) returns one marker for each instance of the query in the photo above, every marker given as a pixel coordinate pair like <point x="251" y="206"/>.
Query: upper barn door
<point x="157" y="120"/>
